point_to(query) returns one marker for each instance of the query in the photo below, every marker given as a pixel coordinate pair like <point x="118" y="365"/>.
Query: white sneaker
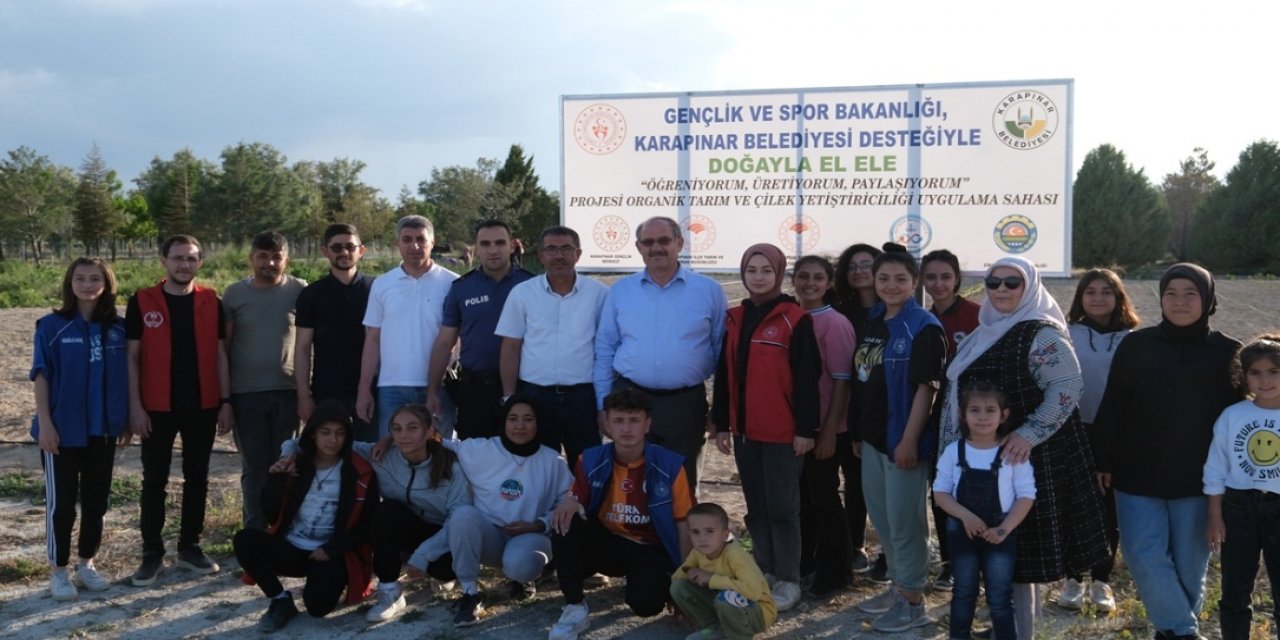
<point x="769" y="579"/>
<point x="785" y="595"/>
<point x="1072" y="595"/>
<point x="1101" y="597"/>
<point x="60" y="586"/>
<point x="573" y="620"/>
<point x="390" y="605"/>
<point x="87" y="577"/>
<point x="596" y="580"/>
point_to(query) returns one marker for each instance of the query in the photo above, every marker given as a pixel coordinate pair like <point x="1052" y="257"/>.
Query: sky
<point x="410" y="85"/>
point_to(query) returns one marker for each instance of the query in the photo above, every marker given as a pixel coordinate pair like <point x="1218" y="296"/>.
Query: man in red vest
<point x="178" y="384"/>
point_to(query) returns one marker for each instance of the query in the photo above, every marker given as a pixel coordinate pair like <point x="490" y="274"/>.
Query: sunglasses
<point x="1011" y="283"/>
<point x="338" y="247"/>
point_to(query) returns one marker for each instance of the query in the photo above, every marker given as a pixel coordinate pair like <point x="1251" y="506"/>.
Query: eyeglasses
<point x="338" y="247"/>
<point x="564" y="250"/>
<point x="855" y="267"/>
<point x="664" y="241"/>
<point x="1012" y="283"/>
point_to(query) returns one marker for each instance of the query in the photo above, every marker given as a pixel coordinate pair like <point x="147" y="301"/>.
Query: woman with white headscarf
<point x="1021" y="344"/>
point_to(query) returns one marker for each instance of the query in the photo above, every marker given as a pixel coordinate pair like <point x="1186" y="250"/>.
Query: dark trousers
<point x="855" y="504"/>
<point x="1252" y="519"/>
<point x="1101" y="572"/>
<point x="264" y="420"/>
<point x="566" y="417"/>
<point x="265" y="557"/>
<point x="590" y="548"/>
<point x="83" y="473"/>
<point x="397" y="531"/>
<point x="825" y="549"/>
<point x="479" y="403"/>
<point x="974" y="558"/>
<point x="939" y="516"/>
<point x="197" y="429"/>
<point x="679" y="423"/>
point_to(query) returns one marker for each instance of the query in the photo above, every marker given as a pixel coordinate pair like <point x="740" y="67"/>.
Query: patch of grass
<point x="22" y="486"/>
<point x="126" y="489"/>
<point x="21" y="569"/>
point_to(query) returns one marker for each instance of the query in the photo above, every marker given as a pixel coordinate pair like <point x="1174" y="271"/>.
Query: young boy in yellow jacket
<point x="719" y="585"/>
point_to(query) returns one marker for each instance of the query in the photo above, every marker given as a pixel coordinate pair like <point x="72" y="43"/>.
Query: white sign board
<point x="982" y="169"/>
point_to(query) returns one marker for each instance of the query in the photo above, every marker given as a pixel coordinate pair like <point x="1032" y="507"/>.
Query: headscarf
<point x="1203" y="280"/>
<point x="776" y="258"/>
<point x="1036" y="304"/>
<point x="529" y="448"/>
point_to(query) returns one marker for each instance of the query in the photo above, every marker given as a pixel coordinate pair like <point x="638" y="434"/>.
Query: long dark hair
<point x="844" y="292"/>
<point x="105" y="310"/>
<point x="442" y="459"/>
<point x="1124" y="316"/>
<point x="945" y="257"/>
<point x="1264" y="346"/>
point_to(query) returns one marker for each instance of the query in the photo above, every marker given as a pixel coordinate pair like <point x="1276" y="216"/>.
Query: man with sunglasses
<point x="330" y="329"/>
<point x="660" y="332"/>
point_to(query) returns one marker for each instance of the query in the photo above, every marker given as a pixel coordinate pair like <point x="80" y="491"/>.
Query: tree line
<point x="46" y="208"/>
<point x="1119" y="217"/>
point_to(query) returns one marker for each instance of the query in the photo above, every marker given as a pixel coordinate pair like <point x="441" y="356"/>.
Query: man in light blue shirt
<point x="660" y="331"/>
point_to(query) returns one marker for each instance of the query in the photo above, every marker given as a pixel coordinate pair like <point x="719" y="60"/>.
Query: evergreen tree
<point x="1183" y="194"/>
<point x="96" y="217"/>
<point x="1238" y="226"/>
<point x="35" y="198"/>
<point x="1117" y="217"/>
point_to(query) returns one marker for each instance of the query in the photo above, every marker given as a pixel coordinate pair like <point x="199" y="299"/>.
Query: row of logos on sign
<point x="1012" y="234"/>
<point x="1025" y="119"/>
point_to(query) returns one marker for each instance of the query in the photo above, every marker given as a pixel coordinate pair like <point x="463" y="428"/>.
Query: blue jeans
<point x="1252" y="519"/>
<point x="1164" y="545"/>
<point x="391" y="398"/>
<point x="969" y="557"/>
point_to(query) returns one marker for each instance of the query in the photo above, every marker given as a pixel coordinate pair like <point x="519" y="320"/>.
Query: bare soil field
<point x="182" y="605"/>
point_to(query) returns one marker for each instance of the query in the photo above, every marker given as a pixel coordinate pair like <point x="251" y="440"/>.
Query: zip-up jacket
<point x="903" y="329"/>
<point x="662" y="467"/>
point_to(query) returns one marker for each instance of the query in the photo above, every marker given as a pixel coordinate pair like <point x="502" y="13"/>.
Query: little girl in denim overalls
<point x="986" y="500"/>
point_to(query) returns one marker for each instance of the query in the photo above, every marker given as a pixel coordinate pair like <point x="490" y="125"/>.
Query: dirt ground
<point x="185" y="606"/>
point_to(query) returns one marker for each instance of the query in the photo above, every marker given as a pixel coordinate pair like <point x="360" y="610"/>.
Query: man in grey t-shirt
<point x="260" y="330"/>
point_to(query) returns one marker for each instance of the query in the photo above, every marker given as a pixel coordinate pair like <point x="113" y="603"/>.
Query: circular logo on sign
<point x="806" y="230"/>
<point x="912" y="232"/>
<point x="600" y="129"/>
<point x="701" y="232"/>
<point x="1015" y="233"/>
<point x="611" y="233"/>
<point x="1025" y="119"/>
<point x="511" y="489"/>
<point x="153" y="319"/>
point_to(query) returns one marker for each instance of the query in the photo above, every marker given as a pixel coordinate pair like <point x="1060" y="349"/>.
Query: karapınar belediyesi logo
<point x="1025" y="119"/>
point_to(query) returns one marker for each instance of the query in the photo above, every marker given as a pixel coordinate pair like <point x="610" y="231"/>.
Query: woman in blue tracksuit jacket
<point x="79" y="368"/>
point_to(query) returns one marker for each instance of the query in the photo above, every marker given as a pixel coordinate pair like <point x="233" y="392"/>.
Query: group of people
<point x="458" y="422"/>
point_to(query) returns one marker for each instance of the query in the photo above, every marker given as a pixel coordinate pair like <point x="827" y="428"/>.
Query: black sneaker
<point x="150" y="568"/>
<point x="281" y="611"/>
<point x="194" y="560"/>
<point x="944" y="581"/>
<point x="521" y="591"/>
<point x="824" y="591"/>
<point x="860" y="563"/>
<point x="468" y="609"/>
<point x="879" y="572"/>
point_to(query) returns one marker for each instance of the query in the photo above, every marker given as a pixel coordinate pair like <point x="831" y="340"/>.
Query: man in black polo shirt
<point x="330" y="316"/>
<point x="471" y="311"/>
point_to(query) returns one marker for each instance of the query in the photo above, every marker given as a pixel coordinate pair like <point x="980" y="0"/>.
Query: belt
<point x="664" y="392"/>
<point x="479" y="377"/>
<point x="559" y="389"/>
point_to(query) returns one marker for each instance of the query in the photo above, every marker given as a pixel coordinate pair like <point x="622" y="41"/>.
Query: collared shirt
<point x="473" y="305"/>
<point x="661" y="337"/>
<point x="335" y="313"/>
<point x="558" y="331"/>
<point x="408" y="310"/>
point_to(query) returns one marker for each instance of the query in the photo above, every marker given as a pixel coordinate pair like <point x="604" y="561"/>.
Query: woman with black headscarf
<point x="1168" y="384"/>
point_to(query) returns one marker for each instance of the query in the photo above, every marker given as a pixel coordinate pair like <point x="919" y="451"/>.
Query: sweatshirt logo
<point x="1256" y="448"/>
<point x="511" y="489"/>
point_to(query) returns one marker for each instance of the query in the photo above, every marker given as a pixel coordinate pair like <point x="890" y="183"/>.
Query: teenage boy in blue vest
<point x="631" y="498"/>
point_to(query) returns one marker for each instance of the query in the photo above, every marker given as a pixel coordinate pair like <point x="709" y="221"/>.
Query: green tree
<point x="1238" y="226"/>
<point x="255" y="190"/>
<point x="139" y="227"/>
<point x="1183" y="194"/>
<point x="461" y="196"/>
<point x="35" y="198"/>
<point x="529" y="208"/>
<point x="172" y="189"/>
<point x="1117" y="216"/>
<point x="95" y="213"/>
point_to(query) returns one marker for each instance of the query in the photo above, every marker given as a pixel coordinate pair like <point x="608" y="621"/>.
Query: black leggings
<point x="82" y="473"/>
<point x="265" y="557"/>
<point x="397" y="530"/>
<point x="590" y="548"/>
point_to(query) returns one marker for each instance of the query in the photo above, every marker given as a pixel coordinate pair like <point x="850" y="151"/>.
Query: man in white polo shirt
<point x="406" y="306"/>
<point x="548" y="331"/>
